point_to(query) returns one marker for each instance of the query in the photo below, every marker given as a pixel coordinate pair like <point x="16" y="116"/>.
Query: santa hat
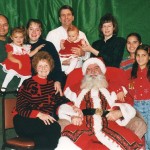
<point x="93" y="61"/>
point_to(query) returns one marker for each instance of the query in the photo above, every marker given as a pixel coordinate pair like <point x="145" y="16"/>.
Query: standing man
<point x="4" y="26"/>
<point x="66" y="17"/>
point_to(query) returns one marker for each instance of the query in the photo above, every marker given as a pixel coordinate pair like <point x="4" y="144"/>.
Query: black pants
<point x="44" y="136"/>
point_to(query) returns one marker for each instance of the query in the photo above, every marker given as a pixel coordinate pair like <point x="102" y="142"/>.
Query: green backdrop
<point x="132" y="16"/>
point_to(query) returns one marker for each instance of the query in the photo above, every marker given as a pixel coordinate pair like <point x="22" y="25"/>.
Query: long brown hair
<point x="135" y="65"/>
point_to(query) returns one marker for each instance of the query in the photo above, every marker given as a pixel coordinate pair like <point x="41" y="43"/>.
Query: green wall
<point x="132" y="16"/>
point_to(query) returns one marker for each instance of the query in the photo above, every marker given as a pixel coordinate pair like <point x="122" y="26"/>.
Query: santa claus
<point x="102" y="125"/>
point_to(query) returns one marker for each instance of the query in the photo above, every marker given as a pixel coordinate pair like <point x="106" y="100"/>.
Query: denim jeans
<point x="143" y="106"/>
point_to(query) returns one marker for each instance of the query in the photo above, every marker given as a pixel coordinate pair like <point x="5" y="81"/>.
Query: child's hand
<point x="40" y="46"/>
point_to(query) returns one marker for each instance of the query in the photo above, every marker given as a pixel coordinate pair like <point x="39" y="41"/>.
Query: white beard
<point x="96" y="82"/>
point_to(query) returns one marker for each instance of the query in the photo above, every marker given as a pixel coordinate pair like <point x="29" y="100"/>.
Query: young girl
<point x="139" y="85"/>
<point x="66" y="54"/>
<point x="17" y="62"/>
<point x="133" y="41"/>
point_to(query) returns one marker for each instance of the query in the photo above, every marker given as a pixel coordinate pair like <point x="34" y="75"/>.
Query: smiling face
<point x="66" y="18"/>
<point x="34" y="32"/>
<point x="142" y="58"/>
<point x="107" y="29"/>
<point x="18" y="38"/>
<point x="132" y="44"/>
<point x="43" y="68"/>
<point x="3" y="27"/>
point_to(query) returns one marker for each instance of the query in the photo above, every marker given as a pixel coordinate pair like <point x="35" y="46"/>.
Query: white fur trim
<point x="65" y="143"/>
<point x="128" y="113"/>
<point x="80" y="97"/>
<point x="93" y="61"/>
<point x="124" y="90"/>
<point x="70" y="95"/>
<point x="110" y="97"/>
<point x="102" y="137"/>
<point x="65" y="111"/>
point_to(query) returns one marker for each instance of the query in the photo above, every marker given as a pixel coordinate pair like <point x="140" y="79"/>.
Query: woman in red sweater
<point x="37" y="102"/>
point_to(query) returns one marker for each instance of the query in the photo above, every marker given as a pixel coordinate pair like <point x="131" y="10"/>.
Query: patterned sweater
<point x="38" y="95"/>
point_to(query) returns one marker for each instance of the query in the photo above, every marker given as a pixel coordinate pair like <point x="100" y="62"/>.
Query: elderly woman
<point x="35" y="113"/>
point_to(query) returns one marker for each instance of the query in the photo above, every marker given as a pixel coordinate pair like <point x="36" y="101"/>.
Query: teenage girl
<point x="139" y="85"/>
<point x="133" y="41"/>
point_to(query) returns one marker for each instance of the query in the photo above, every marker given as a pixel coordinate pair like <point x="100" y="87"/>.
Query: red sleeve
<point x="75" y="77"/>
<point x="9" y="48"/>
<point x="116" y="78"/>
<point x="34" y="113"/>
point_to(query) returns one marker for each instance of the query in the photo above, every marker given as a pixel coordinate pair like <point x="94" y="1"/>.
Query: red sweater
<point x="140" y="86"/>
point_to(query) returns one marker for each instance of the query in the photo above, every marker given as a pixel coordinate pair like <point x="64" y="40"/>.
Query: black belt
<point x="97" y="111"/>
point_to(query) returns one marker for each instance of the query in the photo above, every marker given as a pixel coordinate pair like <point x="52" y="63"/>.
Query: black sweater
<point x="111" y="51"/>
<point x="56" y="74"/>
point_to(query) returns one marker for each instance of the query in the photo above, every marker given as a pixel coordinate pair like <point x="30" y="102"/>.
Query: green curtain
<point x="132" y="15"/>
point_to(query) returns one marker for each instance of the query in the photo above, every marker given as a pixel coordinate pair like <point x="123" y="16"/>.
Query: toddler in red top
<point x="66" y="53"/>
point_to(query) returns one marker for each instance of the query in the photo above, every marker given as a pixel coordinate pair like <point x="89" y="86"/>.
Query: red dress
<point x="20" y="53"/>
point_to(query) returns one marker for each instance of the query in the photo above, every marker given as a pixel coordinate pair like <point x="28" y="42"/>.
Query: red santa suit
<point x="96" y="132"/>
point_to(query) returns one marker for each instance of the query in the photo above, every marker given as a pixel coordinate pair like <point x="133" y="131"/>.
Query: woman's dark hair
<point x="135" y="64"/>
<point x="65" y="7"/>
<point x="136" y="35"/>
<point x="106" y="19"/>
<point x="30" y="21"/>
<point x="42" y="55"/>
<point x="35" y="21"/>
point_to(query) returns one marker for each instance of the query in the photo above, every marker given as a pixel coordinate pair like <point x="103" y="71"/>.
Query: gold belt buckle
<point x="99" y="111"/>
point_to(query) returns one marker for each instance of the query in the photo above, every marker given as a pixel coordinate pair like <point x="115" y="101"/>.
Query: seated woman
<point x="35" y="113"/>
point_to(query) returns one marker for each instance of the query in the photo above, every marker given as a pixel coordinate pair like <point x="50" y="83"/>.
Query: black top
<point x="111" y="51"/>
<point x="56" y="74"/>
